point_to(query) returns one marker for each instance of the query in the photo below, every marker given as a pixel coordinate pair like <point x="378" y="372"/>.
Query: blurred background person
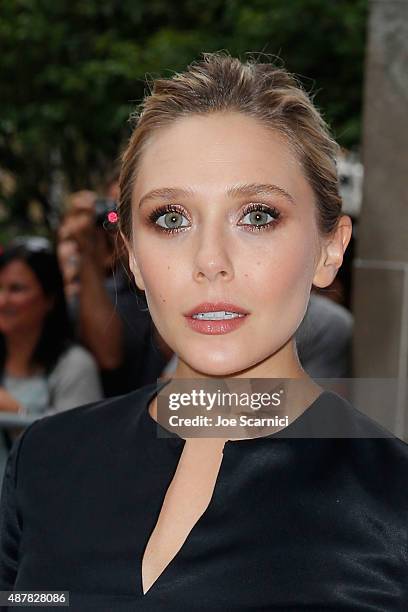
<point x="42" y="369"/>
<point x="109" y="313"/>
<point x="324" y="338"/>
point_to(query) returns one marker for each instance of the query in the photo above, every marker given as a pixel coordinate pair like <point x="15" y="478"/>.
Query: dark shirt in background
<point x="143" y="360"/>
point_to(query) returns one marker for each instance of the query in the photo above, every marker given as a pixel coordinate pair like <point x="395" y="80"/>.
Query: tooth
<point x="219" y="314"/>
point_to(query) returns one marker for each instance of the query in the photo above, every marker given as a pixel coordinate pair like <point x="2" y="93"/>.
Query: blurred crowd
<point x="74" y="328"/>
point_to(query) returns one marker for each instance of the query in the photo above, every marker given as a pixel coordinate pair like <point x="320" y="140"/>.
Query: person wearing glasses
<point x="42" y="369"/>
<point x="230" y="212"/>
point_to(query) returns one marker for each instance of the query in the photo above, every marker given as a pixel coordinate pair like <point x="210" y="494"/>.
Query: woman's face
<point x="248" y="237"/>
<point x="23" y="304"/>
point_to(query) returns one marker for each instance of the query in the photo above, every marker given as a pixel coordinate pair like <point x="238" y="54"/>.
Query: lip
<point x="214" y="307"/>
<point x="222" y="326"/>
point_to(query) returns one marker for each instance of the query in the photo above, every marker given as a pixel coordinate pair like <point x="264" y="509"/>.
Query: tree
<point x="71" y="71"/>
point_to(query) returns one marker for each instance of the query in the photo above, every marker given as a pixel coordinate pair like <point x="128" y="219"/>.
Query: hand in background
<point x="78" y="224"/>
<point x="79" y="242"/>
<point x="69" y="259"/>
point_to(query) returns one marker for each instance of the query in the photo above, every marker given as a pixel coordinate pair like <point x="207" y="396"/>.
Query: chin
<point x="224" y="367"/>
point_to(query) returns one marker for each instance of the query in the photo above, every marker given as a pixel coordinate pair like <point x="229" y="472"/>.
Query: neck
<point x="19" y="349"/>
<point x="282" y="364"/>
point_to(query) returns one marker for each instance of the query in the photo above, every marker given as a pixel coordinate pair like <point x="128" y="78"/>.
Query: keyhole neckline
<point x="178" y="442"/>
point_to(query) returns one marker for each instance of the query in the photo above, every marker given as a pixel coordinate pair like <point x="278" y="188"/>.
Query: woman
<point x="42" y="369"/>
<point x="230" y="210"/>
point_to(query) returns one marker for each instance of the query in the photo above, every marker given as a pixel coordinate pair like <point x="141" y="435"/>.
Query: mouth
<point x="216" y="317"/>
<point x="216" y="310"/>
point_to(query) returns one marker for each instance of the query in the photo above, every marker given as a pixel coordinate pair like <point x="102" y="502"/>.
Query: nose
<point x="212" y="260"/>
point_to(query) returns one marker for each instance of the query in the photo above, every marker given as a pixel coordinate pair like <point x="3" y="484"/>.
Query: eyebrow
<point x="247" y="189"/>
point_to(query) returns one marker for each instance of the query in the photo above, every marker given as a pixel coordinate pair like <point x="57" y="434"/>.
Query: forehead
<point x="215" y="150"/>
<point x="18" y="270"/>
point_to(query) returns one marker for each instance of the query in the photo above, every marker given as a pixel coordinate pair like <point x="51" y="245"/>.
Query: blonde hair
<point x="219" y="82"/>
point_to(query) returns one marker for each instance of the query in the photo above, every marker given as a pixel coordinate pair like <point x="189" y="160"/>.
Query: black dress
<point x="293" y="524"/>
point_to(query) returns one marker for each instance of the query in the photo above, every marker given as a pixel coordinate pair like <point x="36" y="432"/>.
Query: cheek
<point x="163" y="285"/>
<point x="30" y="305"/>
<point x="282" y="268"/>
<point x="24" y="303"/>
<point x="160" y="274"/>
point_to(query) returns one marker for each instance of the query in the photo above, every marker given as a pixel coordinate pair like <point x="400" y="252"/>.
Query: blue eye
<point x="258" y="214"/>
<point x="171" y="220"/>
<point x="256" y="217"/>
<point x="170" y="217"/>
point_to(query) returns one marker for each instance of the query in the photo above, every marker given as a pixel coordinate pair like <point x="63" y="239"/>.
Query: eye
<point x="258" y="214"/>
<point x="169" y="219"/>
<point x="17" y="288"/>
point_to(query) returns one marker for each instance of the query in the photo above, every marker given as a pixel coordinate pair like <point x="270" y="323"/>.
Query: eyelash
<point x="270" y="225"/>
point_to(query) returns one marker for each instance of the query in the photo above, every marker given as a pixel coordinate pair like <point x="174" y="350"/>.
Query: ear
<point x="133" y="265"/>
<point x="332" y="251"/>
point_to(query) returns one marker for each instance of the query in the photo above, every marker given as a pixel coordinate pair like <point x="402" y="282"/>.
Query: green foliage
<point x="71" y="71"/>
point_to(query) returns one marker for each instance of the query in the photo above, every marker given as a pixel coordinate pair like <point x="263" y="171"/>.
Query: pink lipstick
<point x="216" y="318"/>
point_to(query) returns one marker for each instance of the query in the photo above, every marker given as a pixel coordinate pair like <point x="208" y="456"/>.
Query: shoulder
<point x="325" y="312"/>
<point x="351" y="450"/>
<point x="76" y="365"/>
<point x="374" y="457"/>
<point x="76" y="357"/>
<point x="337" y="417"/>
<point x="326" y="326"/>
<point x="89" y="425"/>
